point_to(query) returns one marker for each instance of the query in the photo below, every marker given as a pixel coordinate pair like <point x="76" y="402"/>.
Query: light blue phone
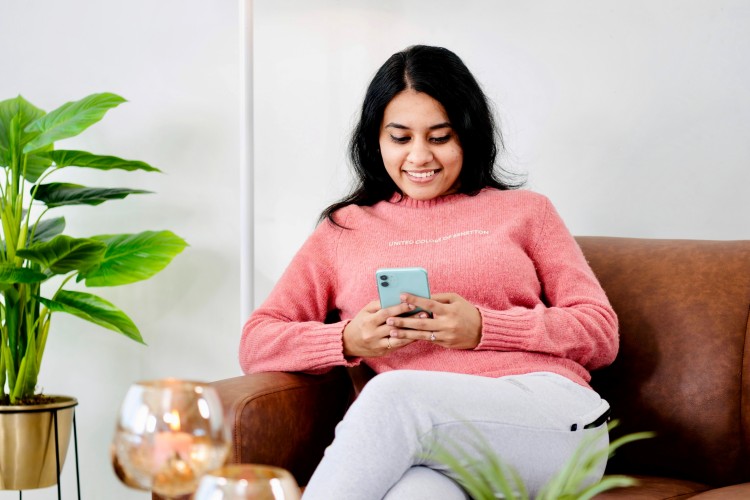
<point x="392" y="282"/>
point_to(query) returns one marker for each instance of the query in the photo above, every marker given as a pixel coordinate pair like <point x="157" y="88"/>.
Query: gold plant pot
<point x="27" y="443"/>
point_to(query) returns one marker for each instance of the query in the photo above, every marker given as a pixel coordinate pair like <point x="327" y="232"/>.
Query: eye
<point x="399" y="140"/>
<point x="440" y="140"/>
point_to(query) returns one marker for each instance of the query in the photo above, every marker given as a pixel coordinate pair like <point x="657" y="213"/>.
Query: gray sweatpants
<point x="383" y="444"/>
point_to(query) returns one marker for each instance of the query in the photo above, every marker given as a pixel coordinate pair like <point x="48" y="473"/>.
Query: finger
<point x="396" y="310"/>
<point x="399" y="343"/>
<point x="426" y="304"/>
<point x="372" y="307"/>
<point x="413" y="322"/>
<point x="391" y="343"/>
<point x="412" y="335"/>
<point x="444" y="298"/>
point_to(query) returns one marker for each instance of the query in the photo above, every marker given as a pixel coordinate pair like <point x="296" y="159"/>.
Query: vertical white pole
<point x="246" y="159"/>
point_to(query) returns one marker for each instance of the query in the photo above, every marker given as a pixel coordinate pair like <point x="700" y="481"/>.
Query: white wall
<point x="178" y="64"/>
<point x="631" y="116"/>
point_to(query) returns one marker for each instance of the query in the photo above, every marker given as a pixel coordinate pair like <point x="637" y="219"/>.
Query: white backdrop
<point x="632" y="117"/>
<point x="178" y="64"/>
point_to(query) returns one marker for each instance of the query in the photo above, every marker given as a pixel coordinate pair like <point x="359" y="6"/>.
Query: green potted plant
<point x="488" y="477"/>
<point x="39" y="264"/>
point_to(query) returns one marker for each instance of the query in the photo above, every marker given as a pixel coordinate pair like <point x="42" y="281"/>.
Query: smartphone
<point x="392" y="282"/>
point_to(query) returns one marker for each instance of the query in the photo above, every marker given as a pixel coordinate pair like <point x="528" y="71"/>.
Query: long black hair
<point x="442" y="75"/>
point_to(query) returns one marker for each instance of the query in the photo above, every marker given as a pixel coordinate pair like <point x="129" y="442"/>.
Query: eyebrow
<point x="404" y="127"/>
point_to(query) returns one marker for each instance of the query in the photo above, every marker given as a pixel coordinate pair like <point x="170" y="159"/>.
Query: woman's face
<point x="420" y="150"/>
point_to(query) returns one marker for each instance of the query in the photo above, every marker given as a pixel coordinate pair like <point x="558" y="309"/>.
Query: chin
<point x="427" y="193"/>
<point x="419" y="194"/>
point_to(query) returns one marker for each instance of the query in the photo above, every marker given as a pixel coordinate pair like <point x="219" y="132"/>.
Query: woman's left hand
<point x="455" y="322"/>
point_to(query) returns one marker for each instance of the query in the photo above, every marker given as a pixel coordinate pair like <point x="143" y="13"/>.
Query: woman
<point x="518" y="318"/>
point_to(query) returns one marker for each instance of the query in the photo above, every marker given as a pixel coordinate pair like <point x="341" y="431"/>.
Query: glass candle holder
<point x="248" y="482"/>
<point x="169" y="433"/>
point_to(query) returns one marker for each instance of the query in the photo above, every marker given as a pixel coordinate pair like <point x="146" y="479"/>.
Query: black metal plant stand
<point x="57" y="447"/>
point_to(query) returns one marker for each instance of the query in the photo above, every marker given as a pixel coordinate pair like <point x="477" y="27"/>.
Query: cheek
<point x="454" y="158"/>
<point x="391" y="156"/>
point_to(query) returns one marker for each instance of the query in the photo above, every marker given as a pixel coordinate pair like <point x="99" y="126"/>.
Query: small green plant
<point x="33" y="249"/>
<point x="488" y="478"/>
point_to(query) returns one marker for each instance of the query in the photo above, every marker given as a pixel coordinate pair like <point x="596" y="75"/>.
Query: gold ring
<point x="432" y="336"/>
<point x="389" y="342"/>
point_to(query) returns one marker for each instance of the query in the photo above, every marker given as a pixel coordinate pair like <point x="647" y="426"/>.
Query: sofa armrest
<point x="726" y="493"/>
<point x="284" y="419"/>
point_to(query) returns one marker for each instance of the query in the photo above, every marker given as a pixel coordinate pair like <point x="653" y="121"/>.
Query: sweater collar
<point x="404" y="201"/>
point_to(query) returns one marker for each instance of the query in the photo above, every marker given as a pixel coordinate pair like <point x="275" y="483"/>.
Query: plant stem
<point x="44" y="317"/>
<point x="64" y="282"/>
<point x="33" y="228"/>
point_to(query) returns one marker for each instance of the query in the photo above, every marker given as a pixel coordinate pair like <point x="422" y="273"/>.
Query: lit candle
<point x="171" y="445"/>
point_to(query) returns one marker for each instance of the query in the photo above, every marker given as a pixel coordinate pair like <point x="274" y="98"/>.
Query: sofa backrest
<point x="683" y="369"/>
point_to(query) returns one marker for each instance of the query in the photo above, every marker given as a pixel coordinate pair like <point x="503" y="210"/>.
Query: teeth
<point x="422" y="175"/>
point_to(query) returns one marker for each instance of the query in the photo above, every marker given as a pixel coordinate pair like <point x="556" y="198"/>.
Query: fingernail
<point x="411" y="307"/>
<point x="394" y="334"/>
<point x="389" y="322"/>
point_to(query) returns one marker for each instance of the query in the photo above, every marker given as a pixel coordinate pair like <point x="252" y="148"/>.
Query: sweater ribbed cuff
<point x="509" y="330"/>
<point x="327" y="350"/>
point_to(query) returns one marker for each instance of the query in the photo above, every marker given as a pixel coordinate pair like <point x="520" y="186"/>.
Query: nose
<point x="420" y="153"/>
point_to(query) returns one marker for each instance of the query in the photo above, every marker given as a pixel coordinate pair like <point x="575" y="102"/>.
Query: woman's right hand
<point x="367" y="335"/>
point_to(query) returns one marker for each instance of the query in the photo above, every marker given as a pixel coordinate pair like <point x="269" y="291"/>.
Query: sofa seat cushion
<point x="656" y="488"/>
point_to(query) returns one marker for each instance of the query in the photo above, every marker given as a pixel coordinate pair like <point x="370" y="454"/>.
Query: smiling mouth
<point x="422" y="174"/>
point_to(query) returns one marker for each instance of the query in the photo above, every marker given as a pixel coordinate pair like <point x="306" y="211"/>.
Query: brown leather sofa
<point x="683" y="371"/>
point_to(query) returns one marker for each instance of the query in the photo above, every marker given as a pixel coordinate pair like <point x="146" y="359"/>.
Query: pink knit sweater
<point x="507" y="252"/>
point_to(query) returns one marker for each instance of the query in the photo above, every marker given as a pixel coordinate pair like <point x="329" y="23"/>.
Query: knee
<point x="388" y="384"/>
<point x="387" y="390"/>
<point x="423" y="483"/>
<point x="380" y="405"/>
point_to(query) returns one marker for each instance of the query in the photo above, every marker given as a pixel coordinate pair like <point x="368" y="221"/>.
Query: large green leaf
<point x="48" y="228"/>
<point x="27" y="112"/>
<point x="3" y="375"/>
<point x="11" y="154"/>
<point x="28" y="372"/>
<point x="133" y="257"/>
<point x="94" y="309"/>
<point x="70" y="119"/>
<point x="58" y="194"/>
<point x="63" y="254"/>
<point x="36" y="165"/>
<point x="12" y="274"/>
<point x="70" y="158"/>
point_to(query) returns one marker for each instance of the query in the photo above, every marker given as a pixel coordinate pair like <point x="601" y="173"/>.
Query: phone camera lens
<point x="383" y="283"/>
<point x="383" y="277"/>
